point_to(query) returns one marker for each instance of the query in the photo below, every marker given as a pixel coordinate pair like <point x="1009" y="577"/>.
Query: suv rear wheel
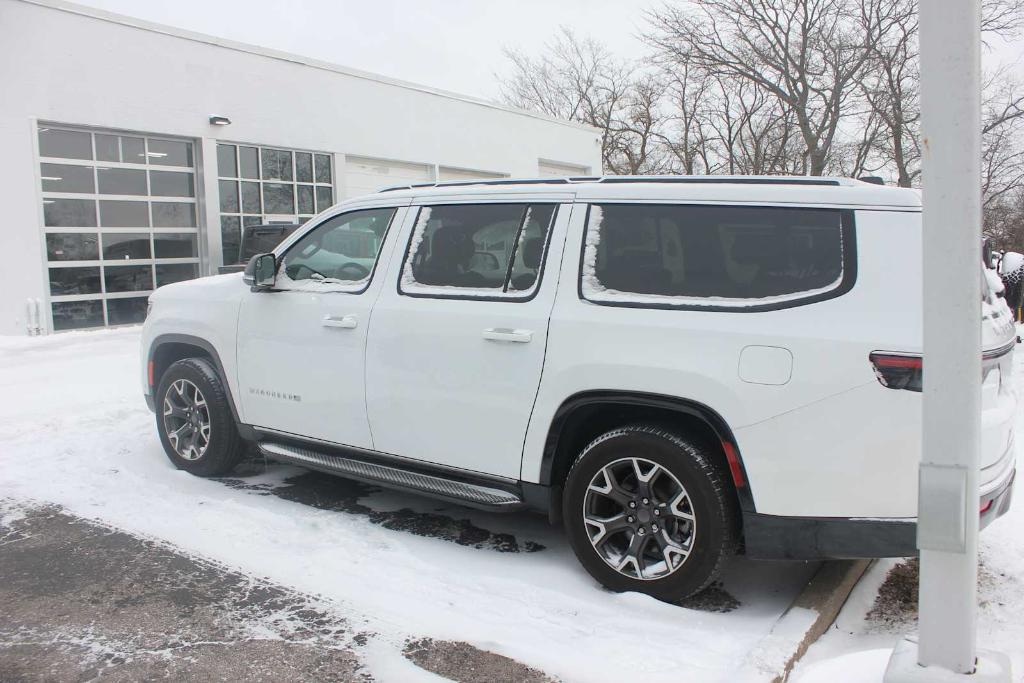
<point x="194" y="420"/>
<point x="647" y="510"/>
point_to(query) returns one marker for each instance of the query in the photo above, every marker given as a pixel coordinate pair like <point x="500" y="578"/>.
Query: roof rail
<point x="682" y="179"/>
<point x="483" y="181"/>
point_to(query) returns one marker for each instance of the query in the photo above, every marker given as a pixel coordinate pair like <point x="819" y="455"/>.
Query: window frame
<point x="500" y="295"/>
<point x="848" y="243"/>
<point x="333" y="288"/>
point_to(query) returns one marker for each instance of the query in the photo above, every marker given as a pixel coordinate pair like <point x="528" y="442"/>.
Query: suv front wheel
<point x="194" y="420"/>
<point x="647" y="510"/>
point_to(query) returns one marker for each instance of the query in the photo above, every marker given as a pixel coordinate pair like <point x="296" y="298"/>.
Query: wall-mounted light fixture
<point x="220" y="121"/>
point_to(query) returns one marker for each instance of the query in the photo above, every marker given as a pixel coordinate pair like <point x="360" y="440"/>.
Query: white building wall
<point x="62" y="63"/>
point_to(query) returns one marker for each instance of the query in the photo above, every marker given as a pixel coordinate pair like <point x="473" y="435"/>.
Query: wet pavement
<point x="82" y="601"/>
<point x="328" y="492"/>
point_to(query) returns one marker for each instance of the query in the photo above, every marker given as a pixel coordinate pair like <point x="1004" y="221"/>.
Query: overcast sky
<point x="451" y="44"/>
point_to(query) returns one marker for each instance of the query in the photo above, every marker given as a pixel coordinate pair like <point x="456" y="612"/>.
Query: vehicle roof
<point x="822" y="191"/>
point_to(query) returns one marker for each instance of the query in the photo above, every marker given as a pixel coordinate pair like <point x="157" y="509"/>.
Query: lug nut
<point x="654" y="527"/>
<point x="641" y="531"/>
<point x="629" y="519"/>
<point x="646" y="501"/>
<point x="657" y="512"/>
<point x="632" y="504"/>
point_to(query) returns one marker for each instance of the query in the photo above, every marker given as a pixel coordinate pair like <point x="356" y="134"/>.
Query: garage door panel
<point x="366" y="176"/>
<point x="446" y="173"/>
<point x="547" y="169"/>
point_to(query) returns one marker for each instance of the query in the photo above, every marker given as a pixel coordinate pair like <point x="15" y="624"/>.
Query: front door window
<point x="339" y="254"/>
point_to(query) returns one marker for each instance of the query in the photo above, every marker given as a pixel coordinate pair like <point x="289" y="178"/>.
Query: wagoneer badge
<point x="274" y="394"/>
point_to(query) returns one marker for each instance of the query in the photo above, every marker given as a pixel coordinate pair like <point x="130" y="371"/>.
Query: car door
<point x="455" y="352"/>
<point x="301" y="346"/>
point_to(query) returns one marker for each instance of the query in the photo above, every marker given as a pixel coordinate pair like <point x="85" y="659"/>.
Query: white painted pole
<point x="951" y="134"/>
<point x="947" y="522"/>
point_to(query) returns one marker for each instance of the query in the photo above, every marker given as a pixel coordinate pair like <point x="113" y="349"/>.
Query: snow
<point x="865" y="666"/>
<point x="318" y="286"/>
<point x="1010" y="262"/>
<point x="74" y="431"/>
<point x="995" y="285"/>
<point x="855" y="645"/>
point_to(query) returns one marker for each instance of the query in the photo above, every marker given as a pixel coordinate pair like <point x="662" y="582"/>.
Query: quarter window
<point x="715" y="256"/>
<point x="477" y="250"/>
<point x="339" y="254"/>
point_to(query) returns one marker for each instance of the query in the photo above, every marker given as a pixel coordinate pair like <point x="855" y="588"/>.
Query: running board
<point x="393" y="477"/>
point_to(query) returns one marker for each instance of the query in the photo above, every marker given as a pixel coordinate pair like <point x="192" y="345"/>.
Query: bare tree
<point x="808" y="54"/>
<point x="1002" y="153"/>
<point x="580" y="80"/>
<point x="770" y="87"/>
<point x="1001" y="17"/>
<point x="889" y="85"/>
<point x="684" y="134"/>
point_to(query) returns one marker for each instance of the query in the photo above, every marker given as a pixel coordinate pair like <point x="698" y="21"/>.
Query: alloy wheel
<point x="639" y="518"/>
<point x="186" y="419"/>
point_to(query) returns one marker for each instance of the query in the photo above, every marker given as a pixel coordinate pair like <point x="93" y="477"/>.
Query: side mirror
<point x="261" y="271"/>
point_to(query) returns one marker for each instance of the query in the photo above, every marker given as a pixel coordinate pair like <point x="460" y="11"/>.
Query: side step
<point x="392" y="477"/>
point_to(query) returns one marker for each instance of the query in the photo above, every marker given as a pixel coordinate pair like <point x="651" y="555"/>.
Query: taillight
<point x="898" y="371"/>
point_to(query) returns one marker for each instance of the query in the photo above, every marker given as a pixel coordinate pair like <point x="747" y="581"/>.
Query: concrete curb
<point x="825" y="594"/>
<point x="804" y="621"/>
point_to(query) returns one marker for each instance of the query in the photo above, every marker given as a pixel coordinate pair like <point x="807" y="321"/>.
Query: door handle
<point x="347" y="322"/>
<point x="505" y="334"/>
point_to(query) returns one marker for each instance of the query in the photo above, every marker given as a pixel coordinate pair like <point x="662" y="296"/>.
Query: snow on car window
<point x="338" y="255"/>
<point x="710" y="255"/>
<point x="477" y="250"/>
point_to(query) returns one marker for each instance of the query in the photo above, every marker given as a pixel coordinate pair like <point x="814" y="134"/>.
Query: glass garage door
<point x="119" y="217"/>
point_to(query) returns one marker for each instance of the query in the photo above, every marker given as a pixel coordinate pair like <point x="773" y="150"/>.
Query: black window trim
<point x="504" y="295"/>
<point x="847" y="234"/>
<point x="373" y="271"/>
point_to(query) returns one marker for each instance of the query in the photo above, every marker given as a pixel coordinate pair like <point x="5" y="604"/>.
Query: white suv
<point x="676" y="368"/>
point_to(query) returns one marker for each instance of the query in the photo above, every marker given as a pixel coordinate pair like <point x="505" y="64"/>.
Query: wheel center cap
<point x="644" y="515"/>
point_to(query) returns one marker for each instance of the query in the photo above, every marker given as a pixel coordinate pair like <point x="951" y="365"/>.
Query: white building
<point x="118" y="179"/>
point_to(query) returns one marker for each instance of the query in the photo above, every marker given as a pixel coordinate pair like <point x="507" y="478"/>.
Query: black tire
<point x="708" y="498"/>
<point x="223" y="447"/>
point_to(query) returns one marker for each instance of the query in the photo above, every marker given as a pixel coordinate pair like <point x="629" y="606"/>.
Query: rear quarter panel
<point x="829" y="442"/>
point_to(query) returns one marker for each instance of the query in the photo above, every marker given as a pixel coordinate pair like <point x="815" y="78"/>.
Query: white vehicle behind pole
<point x="675" y="368"/>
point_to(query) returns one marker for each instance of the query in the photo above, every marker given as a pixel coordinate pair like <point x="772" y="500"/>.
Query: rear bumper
<point x="771" y="537"/>
<point x="997" y="503"/>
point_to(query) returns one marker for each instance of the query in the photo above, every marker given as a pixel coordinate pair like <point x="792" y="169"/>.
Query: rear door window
<point x="477" y="250"/>
<point x="716" y="257"/>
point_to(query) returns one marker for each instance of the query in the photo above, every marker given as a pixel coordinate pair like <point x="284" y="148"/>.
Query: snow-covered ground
<point x="75" y="431"/>
<point x="857" y="647"/>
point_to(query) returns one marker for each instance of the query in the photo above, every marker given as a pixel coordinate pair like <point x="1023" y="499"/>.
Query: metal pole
<point x="947" y="520"/>
<point x="948" y="506"/>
